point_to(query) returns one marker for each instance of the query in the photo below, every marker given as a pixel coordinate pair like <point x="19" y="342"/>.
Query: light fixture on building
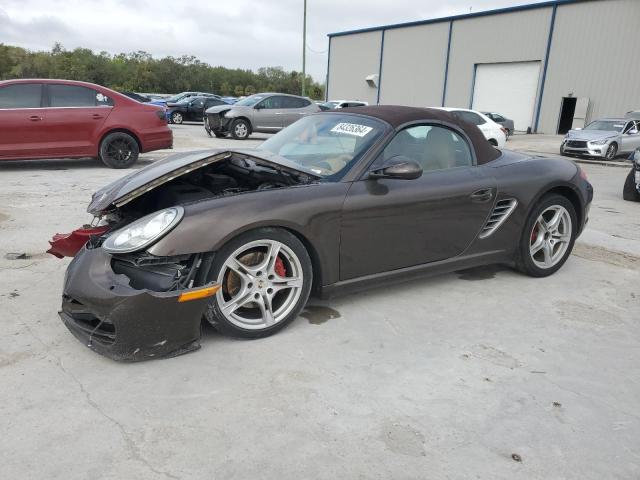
<point x="372" y="80"/>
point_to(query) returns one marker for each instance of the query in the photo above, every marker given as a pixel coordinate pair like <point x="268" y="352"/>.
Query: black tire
<point x="214" y="314"/>
<point x="612" y="151"/>
<point x="240" y="129"/>
<point x="177" y="118"/>
<point x="207" y="126"/>
<point x="630" y="191"/>
<point x="524" y="262"/>
<point x="220" y="135"/>
<point x="119" y="150"/>
<point x="562" y="152"/>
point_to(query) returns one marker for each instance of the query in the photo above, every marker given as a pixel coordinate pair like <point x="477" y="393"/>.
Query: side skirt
<point x="417" y="271"/>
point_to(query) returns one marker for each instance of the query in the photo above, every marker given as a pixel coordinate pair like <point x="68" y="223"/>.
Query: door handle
<point x="35" y="118"/>
<point x="96" y="116"/>
<point x="483" y="195"/>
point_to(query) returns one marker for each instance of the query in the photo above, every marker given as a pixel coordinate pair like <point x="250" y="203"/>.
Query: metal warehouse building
<point x="548" y="66"/>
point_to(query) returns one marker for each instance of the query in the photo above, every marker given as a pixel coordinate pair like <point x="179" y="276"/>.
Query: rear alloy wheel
<point x="266" y="278"/>
<point x="176" y="117"/>
<point x="612" y="151"/>
<point x="240" y="129"/>
<point x="119" y="150"/>
<point x="548" y="237"/>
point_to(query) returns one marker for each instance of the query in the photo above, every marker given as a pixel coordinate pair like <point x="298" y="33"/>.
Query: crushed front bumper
<point x="109" y="316"/>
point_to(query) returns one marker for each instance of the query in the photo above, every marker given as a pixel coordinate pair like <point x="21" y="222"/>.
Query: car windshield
<point x="609" y="125"/>
<point x="326" y="144"/>
<point x="330" y="104"/>
<point x="250" y="101"/>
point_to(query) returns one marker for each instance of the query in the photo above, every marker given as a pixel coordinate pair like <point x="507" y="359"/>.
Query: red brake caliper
<point x="534" y="233"/>
<point x="280" y="268"/>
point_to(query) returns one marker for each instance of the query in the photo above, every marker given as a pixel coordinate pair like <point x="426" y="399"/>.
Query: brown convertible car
<point x="335" y="202"/>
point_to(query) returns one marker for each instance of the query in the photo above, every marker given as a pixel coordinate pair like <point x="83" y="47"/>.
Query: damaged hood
<point x="590" y="135"/>
<point x="137" y="183"/>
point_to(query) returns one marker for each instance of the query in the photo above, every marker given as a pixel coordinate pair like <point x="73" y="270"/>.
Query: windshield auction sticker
<point x="352" y="129"/>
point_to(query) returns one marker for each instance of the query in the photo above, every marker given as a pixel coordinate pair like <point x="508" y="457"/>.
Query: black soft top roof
<point x="397" y="115"/>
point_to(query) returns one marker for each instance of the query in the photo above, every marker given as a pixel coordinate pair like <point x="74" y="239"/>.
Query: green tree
<point x="238" y="91"/>
<point x="249" y="90"/>
<point x="225" y="89"/>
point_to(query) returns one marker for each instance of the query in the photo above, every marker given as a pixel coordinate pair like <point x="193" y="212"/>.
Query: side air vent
<point x="500" y="213"/>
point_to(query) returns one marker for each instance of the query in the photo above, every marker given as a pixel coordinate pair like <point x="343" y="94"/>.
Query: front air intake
<point x="500" y="213"/>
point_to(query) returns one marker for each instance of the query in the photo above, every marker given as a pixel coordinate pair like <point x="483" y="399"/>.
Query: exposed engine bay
<point x="235" y="175"/>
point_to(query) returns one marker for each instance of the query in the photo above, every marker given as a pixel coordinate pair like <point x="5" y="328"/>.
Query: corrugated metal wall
<point x="413" y="65"/>
<point x="353" y="57"/>
<point x="507" y="37"/>
<point x="595" y="53"/>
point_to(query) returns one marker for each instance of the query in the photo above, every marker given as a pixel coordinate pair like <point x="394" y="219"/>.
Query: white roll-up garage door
<point x="508" y="89"/>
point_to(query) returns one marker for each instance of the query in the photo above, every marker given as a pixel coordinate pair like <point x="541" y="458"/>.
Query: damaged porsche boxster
<point x="335" y="202"/>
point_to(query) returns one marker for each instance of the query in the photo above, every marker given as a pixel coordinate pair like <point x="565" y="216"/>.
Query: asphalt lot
<point x="484" y="373"/>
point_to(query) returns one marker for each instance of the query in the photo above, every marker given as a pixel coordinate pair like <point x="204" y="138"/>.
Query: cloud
<point x="236" y="34"/>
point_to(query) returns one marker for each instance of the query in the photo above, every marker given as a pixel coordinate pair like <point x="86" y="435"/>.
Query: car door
<point x="22" y="120"/>
<point x="294" y="109"/>
<point x="75" y="116"/>
<point x="630" y="136"/>
<point x="268" y="114"/>
<point x="389" y="224"/>
<point x="195" y="109"/>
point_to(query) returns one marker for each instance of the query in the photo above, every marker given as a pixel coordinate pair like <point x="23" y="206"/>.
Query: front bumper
<point x="109" y="316"/>
<point x="588" y="150"/>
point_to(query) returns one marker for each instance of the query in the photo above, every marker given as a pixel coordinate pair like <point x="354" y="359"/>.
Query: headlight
<point x="144" y="231"/>
<point x="600" y="142"/>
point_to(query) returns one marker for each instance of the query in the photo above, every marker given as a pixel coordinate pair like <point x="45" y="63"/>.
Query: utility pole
<point x="304" y="49"/>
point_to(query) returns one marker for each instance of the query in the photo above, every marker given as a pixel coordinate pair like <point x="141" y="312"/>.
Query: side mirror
<point x="399" y="167"/>
<point x="258" y="107"/>
<point x="636" y="156"/>
<point x="633" y="131"/>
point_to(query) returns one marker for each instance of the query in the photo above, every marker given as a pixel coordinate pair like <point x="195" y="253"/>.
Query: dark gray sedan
<point x="507" y="123"/>
<point x="336" y="202"/>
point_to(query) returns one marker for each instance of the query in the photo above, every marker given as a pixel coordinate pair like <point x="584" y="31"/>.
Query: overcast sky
<point x="233" y="33"/>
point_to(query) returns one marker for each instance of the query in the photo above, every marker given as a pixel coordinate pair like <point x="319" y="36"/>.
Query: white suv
<point x="494" y="132"/>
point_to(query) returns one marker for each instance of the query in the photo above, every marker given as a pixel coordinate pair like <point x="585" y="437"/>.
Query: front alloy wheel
<point x="265" y="277"/>
<point x="176" y="117"/>
<point x="612" y="150"/>
<point x="548" y="236"/>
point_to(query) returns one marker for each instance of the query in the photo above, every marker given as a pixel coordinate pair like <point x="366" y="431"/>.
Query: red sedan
<point x="69" y="119"/>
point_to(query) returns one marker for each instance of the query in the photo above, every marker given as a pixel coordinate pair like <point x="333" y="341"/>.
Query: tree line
<point x="140" y="72"/>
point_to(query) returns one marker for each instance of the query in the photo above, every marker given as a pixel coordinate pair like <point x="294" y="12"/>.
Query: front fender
<point x="311" y="211"/>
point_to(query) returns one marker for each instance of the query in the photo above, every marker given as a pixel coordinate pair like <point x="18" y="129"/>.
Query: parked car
<point x="633" y="115"/>
<point x="69" y="119"/>
<point x="496" y="134"/>
<point x="178" y="97"/>
<point x="230" y="100"/>
<point x="262" y="112"/>
<point x="507" y="123"/>
<point x="191" y="109"/>
<point x="631" y="188"/>
<point x="333" y="104"/>
<point x="604" y="138"/>
<point x="136" y="96"/>
<point x="335" y="202"/>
